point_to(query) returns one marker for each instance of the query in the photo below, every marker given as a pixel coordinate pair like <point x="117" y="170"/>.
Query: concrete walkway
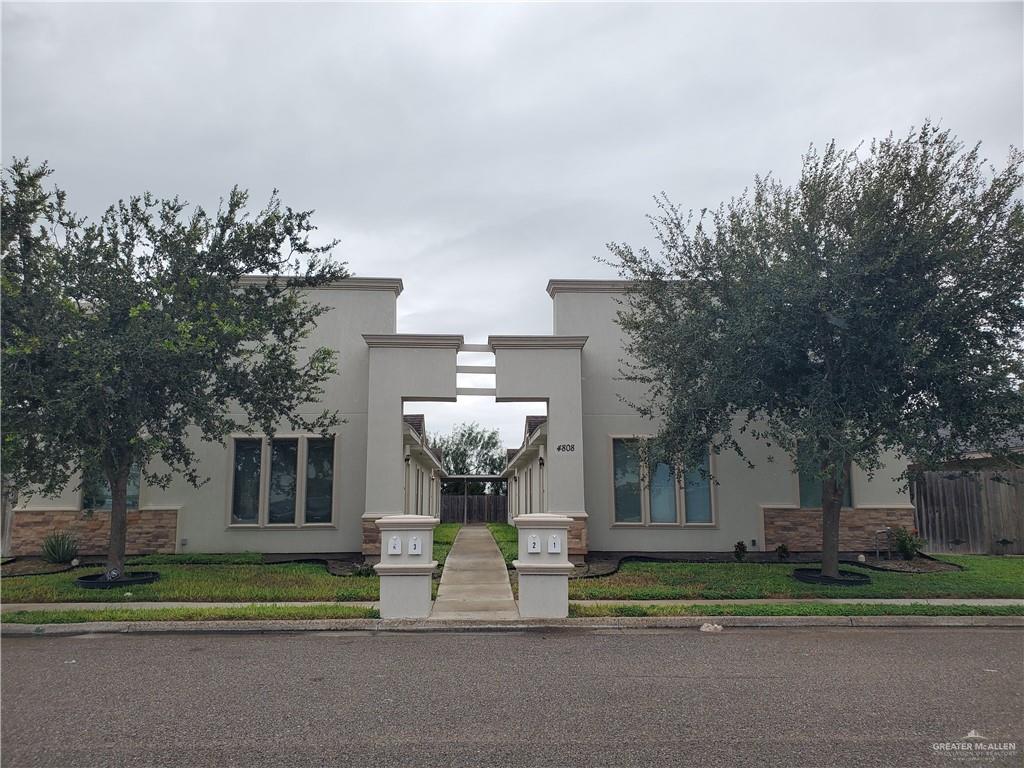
<point x="474" y="582"/>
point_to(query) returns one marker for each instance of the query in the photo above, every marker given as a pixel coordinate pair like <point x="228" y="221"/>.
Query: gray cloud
<point x="477" y="150"/>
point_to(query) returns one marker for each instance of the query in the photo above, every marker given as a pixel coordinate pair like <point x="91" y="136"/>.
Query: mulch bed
<point x="917" y="565"/>
<point x="36" y="566"/>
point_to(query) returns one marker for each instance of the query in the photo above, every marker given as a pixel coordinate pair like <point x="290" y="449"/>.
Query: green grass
<point x="444" y="537"/>
<point x="983" y="576"/>
<point x="201" y="583"/>
<point x="192" y="613"/>
<point x="795" y="609"/>
<point x="507" y="538"/>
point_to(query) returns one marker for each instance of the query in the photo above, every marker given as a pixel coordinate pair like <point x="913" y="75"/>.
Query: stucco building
<point x="303" y="493"/>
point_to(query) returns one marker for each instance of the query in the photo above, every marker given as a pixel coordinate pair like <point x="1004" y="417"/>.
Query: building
<point x="303" y="493"/>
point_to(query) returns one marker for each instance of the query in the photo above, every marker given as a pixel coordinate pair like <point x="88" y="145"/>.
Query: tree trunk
<point x="118" y="522"/>
<point x="831" y="499"/>
<point x="8" y="501"/>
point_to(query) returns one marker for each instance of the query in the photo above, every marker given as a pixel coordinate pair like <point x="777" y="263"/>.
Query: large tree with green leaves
<point x="470" y="449"/>
<point x="126" y="340"/>
<point x="876" y="307"/>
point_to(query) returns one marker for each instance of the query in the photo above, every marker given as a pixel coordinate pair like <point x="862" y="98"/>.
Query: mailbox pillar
<point x="543" y="566"/>
<point x="406" y="565"/>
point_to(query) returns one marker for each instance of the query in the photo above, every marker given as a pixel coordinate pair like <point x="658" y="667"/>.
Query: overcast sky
<point x="478" y="150"/>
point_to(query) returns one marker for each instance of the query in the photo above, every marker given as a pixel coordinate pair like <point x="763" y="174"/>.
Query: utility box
<point x="406" y="565"/>
<point x="543" y="566"/>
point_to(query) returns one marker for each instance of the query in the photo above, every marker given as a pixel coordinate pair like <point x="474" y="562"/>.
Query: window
<point x="655" y="494"/>
<point x="662" y="494"/>
<point x="810" y="488"/>
<point x="282" y="495"/>
<point x="319" y="479"/>
<point x="96" y="490"/>
<point x="697" y="495"/>
<point x="245" y="496"/>
<point x="284" y="482"/>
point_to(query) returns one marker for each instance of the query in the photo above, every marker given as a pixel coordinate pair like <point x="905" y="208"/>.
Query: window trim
<point x="263" y="513"/>
<point x="645" y="493"/>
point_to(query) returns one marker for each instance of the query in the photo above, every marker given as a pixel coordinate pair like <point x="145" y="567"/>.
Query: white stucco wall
<point x="740" y="492"/>
<point x="356" y="308"/>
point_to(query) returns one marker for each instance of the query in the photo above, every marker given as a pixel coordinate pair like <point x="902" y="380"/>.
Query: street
<point x="789" y="697"/>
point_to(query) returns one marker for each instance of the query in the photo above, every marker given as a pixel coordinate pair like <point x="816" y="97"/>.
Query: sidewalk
<point x="459" y="603"/>
<point x="474" y="582"/>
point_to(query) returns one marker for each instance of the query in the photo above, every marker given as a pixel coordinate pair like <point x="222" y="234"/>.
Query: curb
<point x="517" y="625"/>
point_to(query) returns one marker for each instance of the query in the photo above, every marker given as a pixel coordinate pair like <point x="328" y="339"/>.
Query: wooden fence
<point x="475" y="508"/>
<point x="979" y="512"/>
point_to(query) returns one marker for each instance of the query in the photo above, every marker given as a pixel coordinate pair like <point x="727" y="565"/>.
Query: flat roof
<point x="588" y="286"/>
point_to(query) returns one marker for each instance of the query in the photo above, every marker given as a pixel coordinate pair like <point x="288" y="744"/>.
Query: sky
<point x="476" y="151"/>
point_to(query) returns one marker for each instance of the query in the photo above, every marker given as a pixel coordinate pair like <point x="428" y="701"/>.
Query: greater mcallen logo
<point x="976" y="746"/>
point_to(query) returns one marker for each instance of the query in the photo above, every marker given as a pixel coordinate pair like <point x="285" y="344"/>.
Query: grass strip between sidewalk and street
<point x="792" y="609"/>
<point x="192" y="613"/>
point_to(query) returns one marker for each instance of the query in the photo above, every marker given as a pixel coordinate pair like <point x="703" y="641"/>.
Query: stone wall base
<point x="800" y="529"/>
<point x="371" y="538"/>
<point x="150" y="531"/>
<point x="578" y="538"/>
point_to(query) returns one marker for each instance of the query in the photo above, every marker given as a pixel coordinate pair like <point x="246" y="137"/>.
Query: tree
<point x="151" y="335"/>
<point x="471" y="450"/>
<point x="875" y="308"/>
<point x="36" y="230"/>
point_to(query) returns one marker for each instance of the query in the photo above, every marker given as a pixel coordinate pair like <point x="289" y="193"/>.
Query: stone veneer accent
<point x="800" y="529"/>
<point x="578" y="538"/>
<point x="371" y="538"/>
<point x="150" y="531"/>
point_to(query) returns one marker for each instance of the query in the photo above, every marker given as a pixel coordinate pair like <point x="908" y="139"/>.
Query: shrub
<point x="739" y="551"/>
<point x="782" y="552"/>
<point x="906" y="542"/>
<point x="60" y="547"/>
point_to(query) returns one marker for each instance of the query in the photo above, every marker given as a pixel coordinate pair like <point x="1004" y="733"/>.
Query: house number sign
<point x="565" y="447"/>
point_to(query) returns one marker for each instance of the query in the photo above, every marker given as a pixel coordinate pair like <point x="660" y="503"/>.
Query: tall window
<point x="245" y="496"/>
<point x="319" y="479"/>
<point x="810" y="486"/>
<point x="96" y="490"/>
<point x="626" y="472"/>
<point x="284" y="481"/>
<point x="656" y="494"/>
<point x="697" y="495"/>
<point x="284" y="495"/>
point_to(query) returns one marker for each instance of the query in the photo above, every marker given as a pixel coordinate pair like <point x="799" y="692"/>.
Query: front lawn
<point x="983" y="576"/>
<point x="806" y="608"/>
<point x="444" y="537"/>
<point x="192" y="613"/>
<point x="507" y="538"/>
<point x="219" y="582"/>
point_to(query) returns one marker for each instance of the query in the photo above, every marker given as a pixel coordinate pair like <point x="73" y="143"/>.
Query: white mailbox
<point x="543" y="569"/>
<point x="405" y="576"/>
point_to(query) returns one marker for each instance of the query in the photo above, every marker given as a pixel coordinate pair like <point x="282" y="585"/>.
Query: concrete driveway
<point x="745" y="697"/>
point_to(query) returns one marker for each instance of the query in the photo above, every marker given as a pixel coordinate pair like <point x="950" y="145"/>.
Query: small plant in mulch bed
<point x="782" y="552"/>
<point x="739" y="551"/>
<point x="907" y="542"/>
<point x="60" y="547"/>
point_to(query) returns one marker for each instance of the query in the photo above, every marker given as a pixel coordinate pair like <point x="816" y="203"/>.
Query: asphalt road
<point x="764" y="697"/>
